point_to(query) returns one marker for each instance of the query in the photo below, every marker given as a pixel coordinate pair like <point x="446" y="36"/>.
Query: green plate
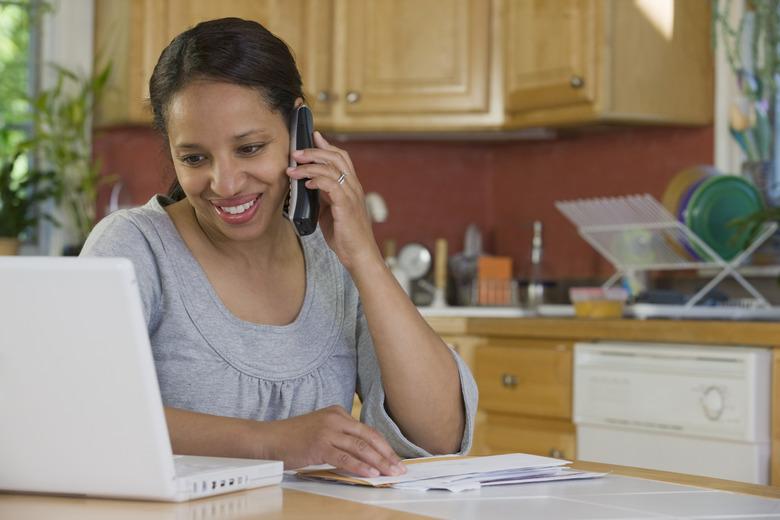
<point x="712" y="208"/>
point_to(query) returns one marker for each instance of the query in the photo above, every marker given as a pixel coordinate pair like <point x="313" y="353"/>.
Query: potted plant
<point x="751" y="45"/>
<point x="752" y="48"/>
<point x="62" y="117"/>
<point x="21" y="191"/>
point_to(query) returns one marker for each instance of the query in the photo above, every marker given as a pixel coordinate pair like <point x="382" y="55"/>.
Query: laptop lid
<point x="80" y="407"/>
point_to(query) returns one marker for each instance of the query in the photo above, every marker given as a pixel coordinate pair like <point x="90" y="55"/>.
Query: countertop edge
<point x="766" y="334"/>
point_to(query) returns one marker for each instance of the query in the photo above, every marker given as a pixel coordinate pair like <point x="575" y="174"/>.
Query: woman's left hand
<point x="343" y="219"/>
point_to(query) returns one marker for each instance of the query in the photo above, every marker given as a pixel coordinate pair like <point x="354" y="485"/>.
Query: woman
<point x="261" y="338"/>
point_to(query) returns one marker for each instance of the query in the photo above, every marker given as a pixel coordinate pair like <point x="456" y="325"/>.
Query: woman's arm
<point x="420" y="376"/>
<point x="326" y="436"/>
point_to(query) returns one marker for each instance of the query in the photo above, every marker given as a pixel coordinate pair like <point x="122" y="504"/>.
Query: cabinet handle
<point x="509" y="380"/>
<point x="323" y="96"/>
<point x="353" y="97"/>
<point x="556" y="453"/>
<point x="577" y="82"/>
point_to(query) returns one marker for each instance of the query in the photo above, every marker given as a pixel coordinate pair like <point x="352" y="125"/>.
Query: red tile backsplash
<point x="434" y="189"/>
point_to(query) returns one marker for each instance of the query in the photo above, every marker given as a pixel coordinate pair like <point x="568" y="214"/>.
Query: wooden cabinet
<point x="529" y="377"/>
<point x="550" y="52"/>
<point x="580" y="61"/>
<point x="509" y="433"/>
<point x="411" y="64"/>
<point x="401" y="65"/>
<point x="525" y="388"/>
<point x="134" y="33"/>
<point x="448" y="65"/>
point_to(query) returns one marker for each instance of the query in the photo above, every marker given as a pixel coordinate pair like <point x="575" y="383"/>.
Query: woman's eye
<point x="192" y="160"/>
<point x="250" y="149"/>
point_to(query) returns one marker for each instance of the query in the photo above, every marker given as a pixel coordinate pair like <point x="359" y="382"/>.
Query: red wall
<point x="436" y="188"/>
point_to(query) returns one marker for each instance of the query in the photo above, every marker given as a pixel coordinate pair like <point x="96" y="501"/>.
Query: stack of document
<point x="461" y="473"/>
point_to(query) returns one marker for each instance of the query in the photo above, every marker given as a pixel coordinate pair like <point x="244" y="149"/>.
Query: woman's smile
<point x="237" y="210"/>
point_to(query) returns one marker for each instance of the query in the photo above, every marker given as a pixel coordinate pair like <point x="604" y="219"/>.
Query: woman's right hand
<point x="331" y="436"/>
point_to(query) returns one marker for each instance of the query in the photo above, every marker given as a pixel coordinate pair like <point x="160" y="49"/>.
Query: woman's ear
<point x="298" y="102"/>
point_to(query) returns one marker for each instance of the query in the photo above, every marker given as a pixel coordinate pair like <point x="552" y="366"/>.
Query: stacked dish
<point x="711" y="205"/>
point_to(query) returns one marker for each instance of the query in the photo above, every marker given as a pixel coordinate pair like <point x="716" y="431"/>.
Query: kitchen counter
<point x="624" y="492"/>
<point x="765" y="334"/>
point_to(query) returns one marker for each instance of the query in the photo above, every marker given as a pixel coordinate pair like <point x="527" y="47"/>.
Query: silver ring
<point x="342" y="178"/>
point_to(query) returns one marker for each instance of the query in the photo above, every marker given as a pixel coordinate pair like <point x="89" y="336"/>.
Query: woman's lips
<point x="237" y="210"/>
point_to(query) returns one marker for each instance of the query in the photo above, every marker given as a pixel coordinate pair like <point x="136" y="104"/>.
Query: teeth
<point x="235" y="210"/>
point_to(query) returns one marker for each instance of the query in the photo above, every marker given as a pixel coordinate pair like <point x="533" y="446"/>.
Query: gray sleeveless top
<point x="210" y="361"/>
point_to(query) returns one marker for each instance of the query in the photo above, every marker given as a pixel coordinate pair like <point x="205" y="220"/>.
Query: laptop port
<point x="213" y="484"/>
<point x="231" y="482"/>
<point x="222" y="484"/>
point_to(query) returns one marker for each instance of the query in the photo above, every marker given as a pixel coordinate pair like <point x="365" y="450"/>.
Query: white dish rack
<point x="636" y="233"/>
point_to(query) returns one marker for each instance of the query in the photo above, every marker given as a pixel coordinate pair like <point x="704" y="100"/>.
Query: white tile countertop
<point x="610" y="497"/>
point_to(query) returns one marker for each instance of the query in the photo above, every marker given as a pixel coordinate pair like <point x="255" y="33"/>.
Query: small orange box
<point x="494" y="276"/>
<point x="494" y="268"/>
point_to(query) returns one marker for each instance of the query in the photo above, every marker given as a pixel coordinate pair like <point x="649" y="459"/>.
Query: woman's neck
<point x="275" y="246"/>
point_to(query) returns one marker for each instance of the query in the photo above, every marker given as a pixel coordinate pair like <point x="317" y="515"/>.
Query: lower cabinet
<point x="503" y="433"/>
<point x="525" y="388"/>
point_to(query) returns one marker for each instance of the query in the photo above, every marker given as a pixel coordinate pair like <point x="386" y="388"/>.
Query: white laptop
<point x="80" y="407"/>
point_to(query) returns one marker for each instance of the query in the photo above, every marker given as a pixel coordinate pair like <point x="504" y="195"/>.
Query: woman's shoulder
<point x="324" y="267"/>
<point x="318" y="253"/>
<point x="125" y="228"/>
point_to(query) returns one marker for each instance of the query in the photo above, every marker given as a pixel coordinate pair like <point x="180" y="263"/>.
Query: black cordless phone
<point x="303" y="205"/>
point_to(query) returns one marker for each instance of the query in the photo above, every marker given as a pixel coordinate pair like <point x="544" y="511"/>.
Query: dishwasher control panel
<point x="707" y="391"/>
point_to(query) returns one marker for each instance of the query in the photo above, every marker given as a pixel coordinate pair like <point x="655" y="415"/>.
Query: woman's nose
<point x="227" y="178"/>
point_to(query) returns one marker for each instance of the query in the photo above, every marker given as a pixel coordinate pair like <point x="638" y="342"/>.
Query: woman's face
<point x="230" y="151"/>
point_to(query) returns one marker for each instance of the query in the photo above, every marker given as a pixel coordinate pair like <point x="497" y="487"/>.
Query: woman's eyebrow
<point x="186" y="146"/>
<point x="248" y="133"/>
<point x="259" y="131"/>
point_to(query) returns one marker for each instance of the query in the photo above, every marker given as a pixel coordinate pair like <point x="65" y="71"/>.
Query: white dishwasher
<point x="682" y="408"/>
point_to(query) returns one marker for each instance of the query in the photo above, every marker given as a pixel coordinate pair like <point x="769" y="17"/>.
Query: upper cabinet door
<point x="551" y="52"/>
<point x="305" y="25"/>
<point x="414" y="56"/>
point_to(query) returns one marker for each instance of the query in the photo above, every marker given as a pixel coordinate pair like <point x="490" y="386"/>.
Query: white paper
<point x="464" y="466"/>
<point x="475" y="482"/>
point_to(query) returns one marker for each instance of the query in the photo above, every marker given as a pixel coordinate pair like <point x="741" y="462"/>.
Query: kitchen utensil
<point x="713" y="208"/>
<point x="681" y="212"/>
<point x="415" y="260"/>
<point x="472" y="244"/>
<point x="376" y="207"/>
<point x="463" y="265"/>
<point x="675" y="199"/>
<point x="392" y="263"/>
<point x="535" y="289"/>
<point x="681" y="183"/>
<point x="598" y="220"/>
<point x="440" y="274"/>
